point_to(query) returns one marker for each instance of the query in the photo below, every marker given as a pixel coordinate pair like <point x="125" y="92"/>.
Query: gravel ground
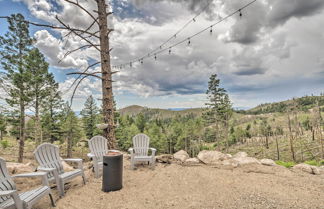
<point x="176" y="186"/>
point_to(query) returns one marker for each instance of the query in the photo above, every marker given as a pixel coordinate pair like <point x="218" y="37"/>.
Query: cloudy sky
<point x="274" y="51"/>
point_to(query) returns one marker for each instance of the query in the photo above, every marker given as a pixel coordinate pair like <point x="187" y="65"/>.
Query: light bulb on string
<point x="194" y="19"/>
<point x="130" y="64"/>
<point x="240" y="13"/>
<point x="142" y="61"/>
<point x="211" y="30"/>
<point x="170" y="50"/>
<point x="189" y="41"/>
<point x="155" y="56"/>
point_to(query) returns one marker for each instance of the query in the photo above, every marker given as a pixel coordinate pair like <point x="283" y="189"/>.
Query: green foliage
<point x="4" y="144"/>
<point x="315" y="162"/>
<point x="90" y="117"/>
<point x="285" y="164"/>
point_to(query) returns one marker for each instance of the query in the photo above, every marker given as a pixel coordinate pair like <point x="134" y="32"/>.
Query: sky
<point x="273" y="52"/>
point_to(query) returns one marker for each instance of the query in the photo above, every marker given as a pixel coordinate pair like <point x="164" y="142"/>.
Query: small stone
<point x="181" y="156"/>
<point x="268" y="162"/>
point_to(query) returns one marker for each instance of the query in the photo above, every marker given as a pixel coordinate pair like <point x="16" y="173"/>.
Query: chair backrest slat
<point x="48" y="156"/>
<point x="141" y="144"/>
<point x="6" y="182"/>
<point x="98" y="146"/>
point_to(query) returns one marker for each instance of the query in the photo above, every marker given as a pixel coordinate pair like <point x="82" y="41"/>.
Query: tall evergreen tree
<point x="70" y="127"/>
<point x="219" y="106"/>
<point x="89" y="116"/>
<point x="40" y="86"/>
<point x="51" y="112"/>
<point x="14" y="47"/>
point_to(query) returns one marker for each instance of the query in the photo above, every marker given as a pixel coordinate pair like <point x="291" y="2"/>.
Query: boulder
<point x="230" y="163"/>
<point x="181" y="156"/>
<point x="17" y="168"/>
<point x="212" y="157"/>
<point x="268" y="162"/>
<point x="240" y="155"/>
<point x="246" y="160"/>
<point x="192" y="161"/>
<point x="166" y="158"/>
<point x="307" y="168"/>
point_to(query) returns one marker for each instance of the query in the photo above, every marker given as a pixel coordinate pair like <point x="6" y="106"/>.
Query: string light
<point x="155" y="56"/>
<point x="188" y="39"/>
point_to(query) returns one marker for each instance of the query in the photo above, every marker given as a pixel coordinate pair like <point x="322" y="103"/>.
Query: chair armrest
<point x="153" y="151"/>
<point x="46" y="169"/>
<point x="34" y="174"/>
<point x="75" y="160"/>
<point x="131" y="150"/>
<point x="7" y="193"/>
<point x="90" y="155"/>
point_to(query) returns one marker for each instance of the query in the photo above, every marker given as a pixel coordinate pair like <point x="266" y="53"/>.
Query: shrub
<point x="4" y="144"/>
<point x="312" y="162"/>
<point x="285" y="164"/>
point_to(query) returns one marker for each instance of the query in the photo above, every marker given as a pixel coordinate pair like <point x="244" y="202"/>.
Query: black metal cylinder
<point x="112" y="176"/>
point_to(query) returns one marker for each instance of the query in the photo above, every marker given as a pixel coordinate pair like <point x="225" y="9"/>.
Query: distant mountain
<point x="161" y="113"/>
<point x="302" y="104"/>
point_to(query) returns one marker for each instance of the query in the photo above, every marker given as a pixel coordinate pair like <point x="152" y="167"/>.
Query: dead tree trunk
<point x="107" y="93"/>
<point x="291" y="139"/>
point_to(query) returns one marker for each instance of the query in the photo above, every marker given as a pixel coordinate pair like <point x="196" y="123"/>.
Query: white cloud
<point x="272" y="45"/>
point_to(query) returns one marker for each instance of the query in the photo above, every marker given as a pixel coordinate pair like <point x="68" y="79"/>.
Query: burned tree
<point x="100" y="41"/>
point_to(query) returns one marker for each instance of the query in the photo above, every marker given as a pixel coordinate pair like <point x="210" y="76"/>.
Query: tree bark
<point x="21" y="132"/>
<point x="291" y="139"/>
<point x="107" y="93"/>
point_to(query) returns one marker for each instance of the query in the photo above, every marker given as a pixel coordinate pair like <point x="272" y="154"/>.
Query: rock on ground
<point x="192" y="161"/>
<point x="181" y="156"/>
<point x="246" y="160"/>
<point x="16" y="168"/>
<point x="268" y="162"/>
<point x="166" y="158"/>
<point x="240" y="154"/>
<point x="212" y="157"/>
<point x="307" y="168"/>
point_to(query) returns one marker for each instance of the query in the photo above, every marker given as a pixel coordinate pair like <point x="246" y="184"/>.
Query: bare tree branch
<point x="54" y="27"/>
<point x="75" y="32"/>
<point x="81" y="7"/>
<point x="89" y="74"/>
<point x="90" y="66"/>
<point x="74" y="50"/>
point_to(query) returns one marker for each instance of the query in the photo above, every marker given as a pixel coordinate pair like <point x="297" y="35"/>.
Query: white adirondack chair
<point x="48" y="157"/>
<point x="98" y="148"/>
<point x="139" y="151"/>
<point x="10" y="198"/>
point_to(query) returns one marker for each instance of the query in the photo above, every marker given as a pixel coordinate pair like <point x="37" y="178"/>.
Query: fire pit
<point x="112" y="177"/>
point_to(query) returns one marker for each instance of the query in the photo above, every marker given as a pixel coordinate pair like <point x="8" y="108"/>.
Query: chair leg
<point x="52" y="200"/>
<point x="61" y="188"/>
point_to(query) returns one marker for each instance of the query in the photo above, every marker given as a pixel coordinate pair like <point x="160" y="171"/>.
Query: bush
<point x="285" y="164"/>
<point x="314" y="162"/>
<point x="4" y="144"/>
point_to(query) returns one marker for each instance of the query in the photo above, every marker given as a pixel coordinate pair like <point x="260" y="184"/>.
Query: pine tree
<point x="70" y="127"/>
<point x="219" y="106"/>
<point x="51" y="112"/>
<point x="89" y="117"/>
<point x="14" y="47"/>
<point x="40" y="87"/>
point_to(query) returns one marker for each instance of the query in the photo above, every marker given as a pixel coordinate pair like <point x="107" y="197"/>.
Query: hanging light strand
<point x="161" y="49"/>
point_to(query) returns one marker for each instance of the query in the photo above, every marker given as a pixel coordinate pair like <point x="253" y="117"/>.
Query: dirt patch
<point x="176" y="186"/>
